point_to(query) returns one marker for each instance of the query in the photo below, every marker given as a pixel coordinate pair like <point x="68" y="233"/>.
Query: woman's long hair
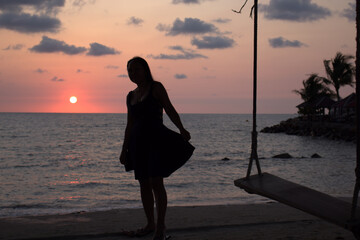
<point x="143" y="63"/>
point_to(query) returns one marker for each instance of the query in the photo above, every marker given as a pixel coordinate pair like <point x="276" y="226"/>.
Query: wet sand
<point x="254" y="221"/>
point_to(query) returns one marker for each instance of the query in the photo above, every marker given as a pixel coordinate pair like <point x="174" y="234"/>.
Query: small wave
<point x="27" y="166"/>
<point x="76" y="184"/>
<point x="94" y="184"/>
<point x="20" y="136"/>
<point x="26" y="206"/>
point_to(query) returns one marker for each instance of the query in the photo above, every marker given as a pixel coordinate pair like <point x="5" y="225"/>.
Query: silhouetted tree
<point x="313" y="88"/>
<point x="340" y="72"/>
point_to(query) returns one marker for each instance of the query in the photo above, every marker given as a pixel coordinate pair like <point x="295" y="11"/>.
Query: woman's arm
<point x="161" y="95"/>
<point x="129" y="123"/>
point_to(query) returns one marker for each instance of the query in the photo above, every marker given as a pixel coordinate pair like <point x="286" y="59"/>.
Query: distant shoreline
<point x="320" y="128"/>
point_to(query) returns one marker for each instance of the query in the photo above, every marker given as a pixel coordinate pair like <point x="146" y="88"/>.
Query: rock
<point x="315" y="155"/>
<point x="283" y="155"/>
<point x="225" y="159"/>
<point x="331" y="130"/>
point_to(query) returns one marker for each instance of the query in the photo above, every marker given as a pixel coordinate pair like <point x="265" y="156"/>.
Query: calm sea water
<point x="60" y="163"/>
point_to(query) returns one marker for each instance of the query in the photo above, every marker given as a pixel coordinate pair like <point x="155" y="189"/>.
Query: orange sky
<point x="199" y="49"/>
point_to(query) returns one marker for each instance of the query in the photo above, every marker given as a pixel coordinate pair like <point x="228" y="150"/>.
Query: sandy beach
<point x="254" y="221"/>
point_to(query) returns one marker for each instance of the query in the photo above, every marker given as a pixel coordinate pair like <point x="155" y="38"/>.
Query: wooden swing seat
<point x="303" y="198"/>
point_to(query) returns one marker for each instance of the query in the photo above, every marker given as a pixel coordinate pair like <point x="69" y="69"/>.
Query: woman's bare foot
<point x="160" y="233"/>
<point x="141" y="232"/>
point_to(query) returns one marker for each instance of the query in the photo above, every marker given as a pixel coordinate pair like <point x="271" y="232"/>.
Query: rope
<point x="254" y="155"/>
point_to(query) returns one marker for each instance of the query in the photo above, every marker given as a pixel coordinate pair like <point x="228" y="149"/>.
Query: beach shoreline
<point x="251" y="221"/>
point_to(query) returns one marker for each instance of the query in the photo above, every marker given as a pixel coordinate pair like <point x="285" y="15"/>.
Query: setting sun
<point x="73" y="99"/>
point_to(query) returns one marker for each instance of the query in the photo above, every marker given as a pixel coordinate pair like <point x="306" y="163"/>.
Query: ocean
<point x="54" y="163"/>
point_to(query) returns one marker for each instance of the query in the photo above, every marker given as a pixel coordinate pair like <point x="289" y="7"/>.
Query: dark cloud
<point x="97" y="49"/>
<point x="14" y="47"/>
<point x="43" y="6"/>
<point x="49" y="45"/>
<point x="188" y="26"/>
<point x="350" y="12"/>
<point x="180" y="76"/>
<point x="222" y="20"/>
<point x="210" y="42"/>
<point x="294" y="10"/>
<point x="56" y="79"/>
<point x="186" y="1"/>
<point x="111" y="67"/>
<point x="27" y="23"/>
<point x="280" y="42"/>
<point x="42" y="18"/>
<point x="135" y="21"/>
<point x="185" y="54"/>
<point x="122" y="76"/>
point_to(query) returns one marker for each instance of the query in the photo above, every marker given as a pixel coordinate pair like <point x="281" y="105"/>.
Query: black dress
<point x="153" y="150"/>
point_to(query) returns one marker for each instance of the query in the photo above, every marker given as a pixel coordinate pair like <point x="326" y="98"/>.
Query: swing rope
<point x="254" y="154"/>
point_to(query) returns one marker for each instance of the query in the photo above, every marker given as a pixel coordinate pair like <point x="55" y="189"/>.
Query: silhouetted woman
<point x="150" y="149"/>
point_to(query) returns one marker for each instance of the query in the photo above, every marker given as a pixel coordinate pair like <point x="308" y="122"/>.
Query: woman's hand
<point x="185" y="134"/>
<point x="123" y="157"/>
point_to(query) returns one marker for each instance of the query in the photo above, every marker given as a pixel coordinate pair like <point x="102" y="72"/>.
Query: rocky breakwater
<point x="327" y="129"/>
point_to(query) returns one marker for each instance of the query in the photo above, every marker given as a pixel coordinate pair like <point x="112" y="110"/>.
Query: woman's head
<point x="139" y="70"/>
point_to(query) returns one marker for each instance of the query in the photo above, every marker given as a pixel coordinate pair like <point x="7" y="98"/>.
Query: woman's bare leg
<point x="161" y="204"/>
<point x="147" y="199"/>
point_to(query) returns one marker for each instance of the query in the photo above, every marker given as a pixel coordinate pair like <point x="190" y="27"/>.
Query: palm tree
<point x="340" y="72"/>
<point x="313" y="88"/>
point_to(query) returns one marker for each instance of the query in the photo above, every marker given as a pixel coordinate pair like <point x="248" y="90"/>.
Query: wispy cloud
<point x="81" y="71"/>
<point x="281" y="42"/>
<point x="213" y="42"/>
<point x="41" y="71"/>
<point x="14" y="47"/>
<point x="294" y="10"/>
<point x="56" y="79"/>
<point x="350" y="12"/>
<point x="97" y="49"/>
<point x="186" y="1"/>
<point x="122" y="76"/>
<point x="222" y="20"/>
<point x="49" y="45"/>
<point x="81" y="3"/>
<point x="180" y="76"/>
<point x="185" y="54"/>
<point x="187" y="26"/>
<point x="135" y="21"/>
<point x="111" y="67"/>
